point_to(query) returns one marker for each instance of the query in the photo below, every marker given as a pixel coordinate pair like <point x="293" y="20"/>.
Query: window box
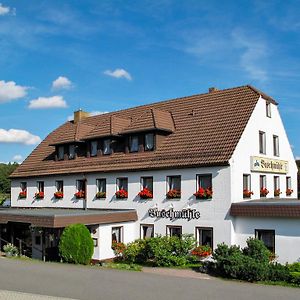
<point x="203" y="193"/>
<point x="39" y="195"/>
<point x="121" y="194"/>
<point x="145" y="194"/>
<point x="277" y="193"/>
<point x="58" y="195"/>
<point x="22" y="194"/>
<point x="100" y="195"/>
<point x="247" y="193"/>
<point x="289" y="192"/>
<point x="202" y="251"/>
<point x="264" y="192"/>
<point x="173" y="194"/>
<point x="79" y="195"/>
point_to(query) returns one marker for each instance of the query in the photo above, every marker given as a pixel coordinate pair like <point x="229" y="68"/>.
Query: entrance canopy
<point x="62" y="217"/>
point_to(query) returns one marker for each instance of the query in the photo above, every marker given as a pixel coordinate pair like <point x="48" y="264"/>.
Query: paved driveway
<point x="79" y="282"/>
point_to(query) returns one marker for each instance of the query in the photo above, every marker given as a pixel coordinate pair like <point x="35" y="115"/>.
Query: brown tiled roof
<point x="266" y="208"/>
<point x="206" y="129"/>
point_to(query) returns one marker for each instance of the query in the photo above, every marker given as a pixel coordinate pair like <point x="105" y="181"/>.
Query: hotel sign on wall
<point x="269" y="165"/>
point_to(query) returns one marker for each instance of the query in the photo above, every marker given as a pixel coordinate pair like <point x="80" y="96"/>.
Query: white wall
<point x="287" y="235"/>
<point x="249" y="146"/>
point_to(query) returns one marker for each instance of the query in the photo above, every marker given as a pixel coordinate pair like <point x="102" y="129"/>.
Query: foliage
<point x="118" y="248"/>
<point x="204" y="193"/>
<point x="257" y="250"/>
<point x="295" y="278"/>
<point x="76" y="244"/>
<point x="39" y="195"/>
<point x="145" y="194"/>
<point x="122" y="266"/>
<point x="10" y="249"/>
<point x="173" y="194"/>
<point x="121" y="194"/>
<point x="5" y="171"/>
<point x="202" y="251"/>
<point x="278" y="272"/>
<point x="136" y="252"/>
<point x="100" y="195"/>
<point x="295" y="267"/>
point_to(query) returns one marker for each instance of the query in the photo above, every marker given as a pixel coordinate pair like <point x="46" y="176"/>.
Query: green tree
<point x="76" y="244"/>
<point x="5" y="171"/>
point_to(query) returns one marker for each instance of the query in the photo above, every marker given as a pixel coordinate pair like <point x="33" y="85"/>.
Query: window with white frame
<point x="262" y="142"/>
<point x="174" y="183"/>
<point x="59" y="185"/>
<point x="275" y="145"/>
<point x="288" y="182"/>
<point x="204" y="181"/>
<point x="267" y="237"/>
<point x="149" y="141"/>
<point x="147" y="183"/>
<point x="94" y="148"/>
<point x="101" y="185"/>
<point x="262" y="181"/>
<point x="268" y="109"/>
<point x="122" y="183"/>
<point x="107" y="147"/>
<point x="174" y="230"/>
<point x="204" y="236"/>
<point x="71" y="151"/>
<point x="276" y="186"/>
<point x="134" y="143"/>
<point x="40" y="186"/>
<point x="61" y="152"/>
<point x="117" y="234"/>
<point x="80" y="185"/>
<point x="147" y="231"/>
<point x="246" y="182"/>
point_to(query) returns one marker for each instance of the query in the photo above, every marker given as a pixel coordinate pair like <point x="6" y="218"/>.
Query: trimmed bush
<point x="278" y="272"/>
<point x="76" y="244"/>
<point x="136" y="252"/>
<point x="257" y="250"/>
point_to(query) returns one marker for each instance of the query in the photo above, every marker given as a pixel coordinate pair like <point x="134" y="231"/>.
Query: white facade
<point x="227" y="185"/>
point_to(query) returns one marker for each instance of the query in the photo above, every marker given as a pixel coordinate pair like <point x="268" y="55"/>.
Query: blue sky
<point x="57" y="56"/>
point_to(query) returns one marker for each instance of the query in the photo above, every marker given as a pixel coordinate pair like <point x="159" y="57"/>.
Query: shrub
<point x="76" y="244"/>
<point x="278" y="272"/>
<point x="136" y="252"/>
<point x="295" y="267"/>
<point x="10" y="250"/>
<point x="257" y="250"/>
<point x="295" y="277"/>
<point x="253" y="270"/>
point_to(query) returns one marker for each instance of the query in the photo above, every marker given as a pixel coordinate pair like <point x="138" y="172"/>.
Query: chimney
<point x="212" y="89"/>
<point x="80" y="115"/>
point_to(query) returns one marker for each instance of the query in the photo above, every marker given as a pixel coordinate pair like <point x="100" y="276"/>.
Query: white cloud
<point x="4" y="10"/>
<point x="18" y="136"/>
<point x="11" y="91"/>
<point x="118" y="73"/>
<point x="48" y="102"/>
<point x="17" y="158"/>
<point x="61" y="83"/>
<point x="92" y="113"/>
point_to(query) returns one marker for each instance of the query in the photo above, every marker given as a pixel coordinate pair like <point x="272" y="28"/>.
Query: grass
<point x="122" y="266"/>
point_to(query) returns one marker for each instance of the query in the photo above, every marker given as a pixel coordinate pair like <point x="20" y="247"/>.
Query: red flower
<point x="121" y="194"/>
<point x="23" y="194"/>
<point x="39" y="195"/>
<point x="289" y="192"/>
<point x="264" y="192"/>
<point x="79" y="194"/>
<point x="203" y="193"/>
<point x="202" y="251"/>
<point x="247" y="193"/>
<point x="145" y="194"/>
<point x="171" y="194"/>
<point x="58" y="195"/>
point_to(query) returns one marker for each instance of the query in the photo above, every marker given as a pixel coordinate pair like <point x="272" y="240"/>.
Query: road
<point x="84" y="282"/>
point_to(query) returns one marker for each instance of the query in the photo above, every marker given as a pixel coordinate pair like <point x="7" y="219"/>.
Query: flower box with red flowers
<point x="277" y="193"/>
<point x="247" y="193"/>
<point x="173" y="194"/>
<point x="289" y="192"/>
<point x="202" y="251"/>
<point x="39" y="195"/>
<point x="101" y="195"/>
<point x="121" y="194"/>
<point x="79" y="195"/>
<point x="58" y="195"/>
<point x="145" y="194"/>
<point x="118" y="248"/>
<point x="203" y="193"/>
<point x="264" y="192"/>
<point x="22" y="194"/>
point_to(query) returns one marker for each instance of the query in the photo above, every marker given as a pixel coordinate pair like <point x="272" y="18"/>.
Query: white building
<point x="228" y="143"/>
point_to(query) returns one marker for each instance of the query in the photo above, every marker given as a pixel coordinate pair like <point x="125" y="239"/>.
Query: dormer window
<point x="149" y="142"/>
<point x="60" y="152"/>
<point x="94" y="148"/>
<point x="134" y="144"/>
<point x="71" y="151"/>
<point x="107" y="146"/>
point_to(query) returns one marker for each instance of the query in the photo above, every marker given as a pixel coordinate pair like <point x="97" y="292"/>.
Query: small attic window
<point x="61" y="152"/>
<point x="268" y="109"/>
<point x="71" y="151"/>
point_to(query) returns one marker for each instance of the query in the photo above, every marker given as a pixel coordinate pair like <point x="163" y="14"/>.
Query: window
<point x="276" y="145"/>
<point x="268" y="109"/>
<point x="116" y="234"/>
<point x="147" y="231"/>
<point x="204" y="181"/>
<point x="276" y="186"/>
<point x="174" y="230"/>
<point x="174" y="183"/>
<point x="134" y="144"/>
<point x="23" y="186"/>
<point x="59" y="184"/>
<point x="107" y="146"/>
<point x="94" y="148"/>
<point x="38" y="240"/>
<point x="40" y="186"/>
<point x="61" y="152"/>
<point x="262" y="142"/>
<point x="288" y="183"/>
<point x="101" y="185"/>
<point x="147" y="183"/>
<point x="71" y="151"/>
<point x="122" y="183"/>
<point x="246" y="182"/>
<point x="80" y="185"/>
<point x="204" y="236"/>
<point x="262" y="181"/>
<point x="268" y="238"/>
<point x="149" y="142"/>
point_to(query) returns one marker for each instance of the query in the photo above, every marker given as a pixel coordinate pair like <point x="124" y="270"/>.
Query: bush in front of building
<point x="76" y="244"/>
